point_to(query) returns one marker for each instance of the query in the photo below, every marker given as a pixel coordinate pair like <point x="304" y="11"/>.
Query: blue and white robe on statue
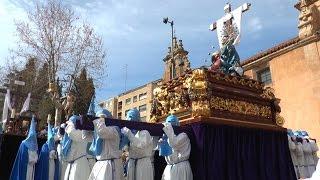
<point x="78" y="166"/>
<point x="140" y="152"/>
<point x="178" y="166"/>
<point x="109" y="164"/>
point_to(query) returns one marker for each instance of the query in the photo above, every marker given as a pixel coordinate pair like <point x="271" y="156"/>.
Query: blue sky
<point x="134" y="34"/>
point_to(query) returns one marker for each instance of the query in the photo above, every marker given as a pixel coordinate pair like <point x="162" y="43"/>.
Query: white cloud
<point x="8" y="13"/>
<point x="255" y="24"/>
<point x="134" y="34"/>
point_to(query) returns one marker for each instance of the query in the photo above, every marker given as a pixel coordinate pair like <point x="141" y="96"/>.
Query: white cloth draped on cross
<point x="6" y="107"/>
<point x="235" y="18"/>
<point x="26" y="104"/>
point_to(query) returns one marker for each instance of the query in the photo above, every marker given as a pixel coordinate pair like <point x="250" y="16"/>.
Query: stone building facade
<point x="176" y="63"/>
<point x="292" y="69"/>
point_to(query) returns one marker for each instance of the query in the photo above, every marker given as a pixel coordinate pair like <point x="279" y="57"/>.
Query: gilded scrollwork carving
<point x="268" y="93"/>
<point x="279" y="120"/>
<point x="201" y="109"/>
<point x="193" y="93"/>
<point x="241" y="107"/>
<point x="197" y="85"/>
<point x="169" y="98"/>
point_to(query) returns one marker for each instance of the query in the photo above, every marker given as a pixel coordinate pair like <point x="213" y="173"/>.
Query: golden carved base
<point x="241" y="107"/>
<point x="202" y="93"/>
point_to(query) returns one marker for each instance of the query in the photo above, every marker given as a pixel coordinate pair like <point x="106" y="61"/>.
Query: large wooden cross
<point x="227" y="10"/>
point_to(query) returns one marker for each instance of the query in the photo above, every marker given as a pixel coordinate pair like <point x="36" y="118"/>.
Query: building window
<point x="128" y="101"/>
<point x="142" y="96"/>
<point x="264" y="76"/>
<point x="143" y="108"/>
<point x="135" y="98"/>
<point x="143" y="118"/>
<point x="120" y="105"/>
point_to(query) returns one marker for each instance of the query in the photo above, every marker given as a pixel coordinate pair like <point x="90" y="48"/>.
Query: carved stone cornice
<point x="278" y="51"/>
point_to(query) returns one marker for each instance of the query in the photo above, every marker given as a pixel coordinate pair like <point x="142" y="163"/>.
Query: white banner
<point x="6" y="107"/>
<point x="26" y="104"/>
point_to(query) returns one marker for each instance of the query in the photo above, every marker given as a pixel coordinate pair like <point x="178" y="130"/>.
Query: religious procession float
<point x="209" y="123"/>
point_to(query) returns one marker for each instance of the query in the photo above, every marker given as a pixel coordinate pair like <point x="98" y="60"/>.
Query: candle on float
<point x="13" y="113"/>
<point x="49" y="118"/>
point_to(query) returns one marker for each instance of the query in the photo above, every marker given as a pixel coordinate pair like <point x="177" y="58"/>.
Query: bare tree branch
<point x="54" y="35"/>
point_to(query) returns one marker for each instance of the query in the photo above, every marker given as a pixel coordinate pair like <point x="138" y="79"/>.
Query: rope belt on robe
<point x="135" y="165"/>
<point x="71" y="162"/>
<point x="177" y="163"/>
<point x="113" y="166"/>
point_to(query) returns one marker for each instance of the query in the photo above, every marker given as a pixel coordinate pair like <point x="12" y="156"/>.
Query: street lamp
<point x="166" y="21"/>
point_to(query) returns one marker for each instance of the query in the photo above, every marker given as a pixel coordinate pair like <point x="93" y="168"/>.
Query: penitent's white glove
<point x="53" y="154"/>
<point x="125" y="131"/>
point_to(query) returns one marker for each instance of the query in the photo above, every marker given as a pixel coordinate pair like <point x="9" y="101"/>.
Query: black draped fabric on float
<point x="218" y="152"/>
<point x="9" y="145"/>
<point x="223" y="152"/>
<point x="237" y="153"/>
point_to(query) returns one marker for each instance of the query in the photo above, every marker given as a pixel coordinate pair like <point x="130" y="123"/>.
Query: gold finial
<point x="279" y="120"/>
<point x="52" y="88"/>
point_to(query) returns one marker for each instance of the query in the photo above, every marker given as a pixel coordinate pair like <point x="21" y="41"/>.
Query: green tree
<point x="28" y="75"/>
<point x="84" y="90"/>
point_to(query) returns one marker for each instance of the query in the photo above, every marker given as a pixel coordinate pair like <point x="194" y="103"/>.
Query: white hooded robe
<point x="178" y="166"/>
<point x="109" y="164"/>
<point x="78" y="166"/>
<point x="140" y="152"/>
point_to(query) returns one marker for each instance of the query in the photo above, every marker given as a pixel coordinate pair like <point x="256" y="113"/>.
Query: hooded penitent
<point x="66" y="141"/>
<point x="164" y="148"/>
<point x="47" y="153"/>
<point x="132" y="115"/>
<point x="96" y="146"/>
<point x="290" y="132"/>
<point x="20" y="166"/>
<point x="92" y="114"/>
<point x="31" y="140"/>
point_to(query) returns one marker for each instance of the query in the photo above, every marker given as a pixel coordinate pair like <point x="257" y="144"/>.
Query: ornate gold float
<point x="201" y="93"/>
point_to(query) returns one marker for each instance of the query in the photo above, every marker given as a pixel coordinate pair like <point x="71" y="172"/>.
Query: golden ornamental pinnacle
<point x="51" y="88"/>
<point x="279" y="120"/>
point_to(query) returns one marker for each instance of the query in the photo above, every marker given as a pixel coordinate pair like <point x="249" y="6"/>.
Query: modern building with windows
<point x="140" y="98"/>
<point x="292" y="69"/>
<point x="111" y="105"/>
